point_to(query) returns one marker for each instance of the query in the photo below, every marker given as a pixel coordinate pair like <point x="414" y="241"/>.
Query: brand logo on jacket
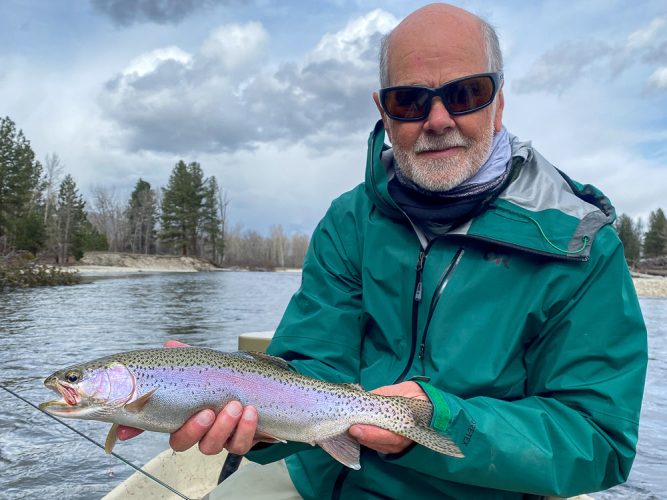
<point x="500" y="259"/>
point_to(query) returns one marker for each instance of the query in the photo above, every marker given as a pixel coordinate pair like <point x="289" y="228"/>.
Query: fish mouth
<point x="68" y="404"/>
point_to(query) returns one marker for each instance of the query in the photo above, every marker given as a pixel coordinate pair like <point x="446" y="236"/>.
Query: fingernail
<point x="234" y="409"/>
<point x="249" y="414"/>
<point x="205" y="418"/>
<point x="356" y="433"/>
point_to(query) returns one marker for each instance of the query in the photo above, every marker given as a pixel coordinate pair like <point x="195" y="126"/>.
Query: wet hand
<point x="381" y="440"/>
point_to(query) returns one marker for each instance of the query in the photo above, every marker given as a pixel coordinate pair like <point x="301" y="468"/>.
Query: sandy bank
<point x="650" y="286"/>
<point x="101" y="263"/>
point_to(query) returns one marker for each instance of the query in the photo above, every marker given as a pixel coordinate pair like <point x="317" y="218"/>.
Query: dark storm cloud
<point x="128" y="12"/>
<point x="208" y="104"/>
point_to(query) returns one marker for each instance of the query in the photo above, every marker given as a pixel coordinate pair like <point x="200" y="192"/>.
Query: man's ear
<point x="385" y="118"/>
<point x="500" y="105"/>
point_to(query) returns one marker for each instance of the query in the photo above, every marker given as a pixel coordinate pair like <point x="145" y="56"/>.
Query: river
<point x="43" y="329"/>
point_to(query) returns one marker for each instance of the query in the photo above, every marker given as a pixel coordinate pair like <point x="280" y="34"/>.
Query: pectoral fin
<point x="138" y="404"/>
<point x="343" y="448"/>
<point x="112" y="437"/>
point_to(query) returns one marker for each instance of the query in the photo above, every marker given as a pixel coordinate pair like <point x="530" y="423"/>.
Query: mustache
<point x="439" y="142"/>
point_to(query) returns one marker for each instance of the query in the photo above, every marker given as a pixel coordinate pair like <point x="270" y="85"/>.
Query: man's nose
<point x="438" y="119"/>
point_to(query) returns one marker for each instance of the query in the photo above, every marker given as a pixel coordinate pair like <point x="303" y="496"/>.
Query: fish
<point x="159" y="389"/>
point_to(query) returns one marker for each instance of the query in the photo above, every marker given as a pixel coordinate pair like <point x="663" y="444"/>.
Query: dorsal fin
<point x="271" y="360"/>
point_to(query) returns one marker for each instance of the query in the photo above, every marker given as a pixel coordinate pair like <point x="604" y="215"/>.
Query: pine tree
<point x="630" y="235"/>
<point x="182" y="204"/>
<point x="20" y="190"/>
<point x="213" y="221"/>
<point x="655" y="240"/>
<point x="142" y="217"/>
<point x="71" y="219"/>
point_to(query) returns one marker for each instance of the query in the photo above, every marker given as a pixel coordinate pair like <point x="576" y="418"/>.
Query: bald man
<point x="467" y="271"/>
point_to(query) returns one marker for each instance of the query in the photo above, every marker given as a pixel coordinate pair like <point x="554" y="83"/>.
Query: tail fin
<point x="424" y="434"/>
<point x="432" y="439"/>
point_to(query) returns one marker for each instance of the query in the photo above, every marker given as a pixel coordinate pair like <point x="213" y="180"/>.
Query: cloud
<point x="226" y="97"/>
<point x="562" y="66"/>
<point x="658" y="80"/>
<point x="128" y="12"/>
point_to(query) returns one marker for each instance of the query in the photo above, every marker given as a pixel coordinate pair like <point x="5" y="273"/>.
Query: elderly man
<point x="468" y="271"/>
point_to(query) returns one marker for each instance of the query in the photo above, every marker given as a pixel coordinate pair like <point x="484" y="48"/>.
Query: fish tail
<point x="432" y="439"/>
<point x="424" y="434"/>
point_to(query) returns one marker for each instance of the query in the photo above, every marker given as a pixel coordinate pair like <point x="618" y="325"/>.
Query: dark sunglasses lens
<point x="469" y="94"/>
<point x="406" y="103"/>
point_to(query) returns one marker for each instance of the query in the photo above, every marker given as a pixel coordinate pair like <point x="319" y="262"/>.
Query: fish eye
<point x="72" y="377"/>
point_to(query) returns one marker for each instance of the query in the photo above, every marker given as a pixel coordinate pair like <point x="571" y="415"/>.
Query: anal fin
<point x="268" y="438"/>
<point x="112" y="437"/>
<point x="343" y="448"/>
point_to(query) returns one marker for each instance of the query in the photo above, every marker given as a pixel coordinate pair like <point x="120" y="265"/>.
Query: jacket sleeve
<point x="576" y="429"/>
<point x="320" y="332"/>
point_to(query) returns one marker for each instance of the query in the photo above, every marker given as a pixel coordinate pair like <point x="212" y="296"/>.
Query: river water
<point x="43" y="329"/>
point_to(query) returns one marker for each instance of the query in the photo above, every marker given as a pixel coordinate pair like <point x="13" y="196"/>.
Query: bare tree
<point x="109" y="217"/>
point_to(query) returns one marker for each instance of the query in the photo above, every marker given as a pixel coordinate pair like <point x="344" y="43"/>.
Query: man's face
<point x="441" y="151"/>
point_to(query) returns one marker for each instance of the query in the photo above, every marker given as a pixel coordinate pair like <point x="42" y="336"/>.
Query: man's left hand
<point x="382" y="440"/>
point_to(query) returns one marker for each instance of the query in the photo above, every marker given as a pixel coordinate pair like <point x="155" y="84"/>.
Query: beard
<point x="442" y="174"/>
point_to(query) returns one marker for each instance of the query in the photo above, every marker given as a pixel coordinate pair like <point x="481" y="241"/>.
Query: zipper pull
<point x="422" y="348"/>
<point x="420" y="267"/>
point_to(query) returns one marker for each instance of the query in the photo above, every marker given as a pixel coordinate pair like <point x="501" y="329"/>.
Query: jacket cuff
<point x="442" y="415"/>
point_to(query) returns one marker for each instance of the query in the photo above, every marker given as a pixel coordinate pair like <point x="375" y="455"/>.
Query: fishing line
<point x="138" y="469"/>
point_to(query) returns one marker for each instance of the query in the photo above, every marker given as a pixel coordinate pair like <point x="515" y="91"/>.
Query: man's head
<point x="434" y="45"/>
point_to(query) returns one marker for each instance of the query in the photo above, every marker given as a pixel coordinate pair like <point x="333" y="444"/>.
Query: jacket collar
<point x="540" y="211"/>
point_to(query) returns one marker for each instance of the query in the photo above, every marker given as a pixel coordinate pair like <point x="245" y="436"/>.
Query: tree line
<point x="42" y="212"/>
<point x="639" y="244"/>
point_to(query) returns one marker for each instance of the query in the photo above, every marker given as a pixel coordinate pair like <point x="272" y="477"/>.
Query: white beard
<point x="443" y="174"/>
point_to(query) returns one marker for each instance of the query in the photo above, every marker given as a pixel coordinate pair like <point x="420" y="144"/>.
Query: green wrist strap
<point x="441" y="413"/>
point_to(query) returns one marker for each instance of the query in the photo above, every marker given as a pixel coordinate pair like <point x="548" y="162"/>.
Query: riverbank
<point x="107" y="263"/>
<point x="650" y="286"/>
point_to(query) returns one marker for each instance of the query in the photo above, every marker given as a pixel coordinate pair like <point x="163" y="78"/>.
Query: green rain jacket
<point x="524" y="323"/>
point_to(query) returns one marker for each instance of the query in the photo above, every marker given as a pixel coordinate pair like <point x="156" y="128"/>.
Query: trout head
<point x="90" y="391"/>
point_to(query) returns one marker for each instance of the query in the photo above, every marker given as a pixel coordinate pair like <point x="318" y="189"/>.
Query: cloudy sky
<point x="274" y="97"/>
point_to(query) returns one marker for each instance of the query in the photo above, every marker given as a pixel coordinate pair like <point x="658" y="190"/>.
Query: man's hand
<point x="382" y="440"/>
<point x="233" y="428"/>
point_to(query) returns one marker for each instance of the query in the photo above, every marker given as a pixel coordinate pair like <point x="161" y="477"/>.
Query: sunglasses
<point x="465" y="95"/>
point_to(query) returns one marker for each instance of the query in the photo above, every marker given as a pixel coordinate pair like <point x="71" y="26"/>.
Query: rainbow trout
<point x="159" y="389"/>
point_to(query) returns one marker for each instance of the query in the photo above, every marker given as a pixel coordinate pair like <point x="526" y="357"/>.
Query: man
<point x="468" y="271"/>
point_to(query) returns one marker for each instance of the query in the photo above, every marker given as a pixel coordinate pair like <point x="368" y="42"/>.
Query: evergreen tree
<point x="71" y="219"/>
<point x="20" y="189"/>
<point x="630" y="235"/>
<point x="182" y="204"/>
<point x="212" y="222"/>
<point x="655" y="240"/>
<point x="142" y="216"/>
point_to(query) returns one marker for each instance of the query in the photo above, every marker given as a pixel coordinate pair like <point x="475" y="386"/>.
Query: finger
<point x="216" y="438"/>
<point x="243" y="437"/>
<point x="124" y="433"/>
<point x="379" y="439"/>
<point x="175" y="343"/>
<point x="192" y="430"/>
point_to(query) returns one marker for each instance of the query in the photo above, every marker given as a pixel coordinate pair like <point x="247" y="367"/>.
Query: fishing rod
<point x="122" y="459"/>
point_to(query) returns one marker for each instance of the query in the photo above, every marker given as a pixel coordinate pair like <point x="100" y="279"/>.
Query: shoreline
<point x="646" y="285"/>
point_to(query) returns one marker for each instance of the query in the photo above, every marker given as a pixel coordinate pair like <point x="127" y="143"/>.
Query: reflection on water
<point x="44" y="329"/>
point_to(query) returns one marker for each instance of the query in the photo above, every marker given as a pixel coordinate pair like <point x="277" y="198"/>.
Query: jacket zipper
<point x="416" y="300"/>
<point x="440" y="288"/>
